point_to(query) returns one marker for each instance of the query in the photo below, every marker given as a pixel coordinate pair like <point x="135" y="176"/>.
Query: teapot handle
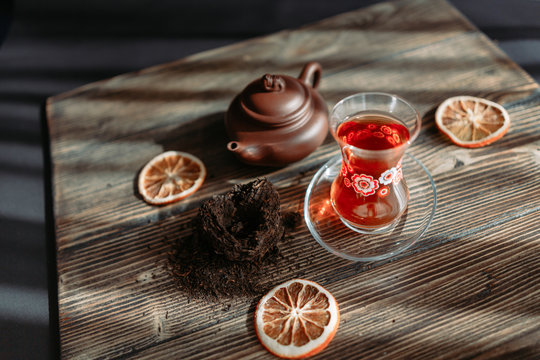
<point x="311" y="74"/>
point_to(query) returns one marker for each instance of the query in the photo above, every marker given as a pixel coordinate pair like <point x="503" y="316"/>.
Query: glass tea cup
<point x="373" y="131"/>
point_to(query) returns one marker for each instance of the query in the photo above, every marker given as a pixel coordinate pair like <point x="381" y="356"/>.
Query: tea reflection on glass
<point x="373" y="131"/>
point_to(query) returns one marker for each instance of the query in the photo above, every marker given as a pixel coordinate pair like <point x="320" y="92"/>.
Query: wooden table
<point x="470" y="288"/>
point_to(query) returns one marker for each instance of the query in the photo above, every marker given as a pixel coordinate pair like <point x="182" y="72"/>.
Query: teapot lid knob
<point x="273" y="82"/>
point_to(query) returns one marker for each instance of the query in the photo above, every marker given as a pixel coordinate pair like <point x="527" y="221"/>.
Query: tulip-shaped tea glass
<point x="373" y="131"/>
<point x="365" y="187"/>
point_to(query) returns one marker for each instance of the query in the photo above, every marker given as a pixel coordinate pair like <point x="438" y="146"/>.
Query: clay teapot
<point x="278" y="119"/>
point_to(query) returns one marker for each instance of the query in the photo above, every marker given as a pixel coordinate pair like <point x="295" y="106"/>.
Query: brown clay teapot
<point x="278" y="119"/>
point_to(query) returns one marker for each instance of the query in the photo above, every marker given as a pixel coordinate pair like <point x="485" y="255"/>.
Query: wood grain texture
<point x="468" y="289"/>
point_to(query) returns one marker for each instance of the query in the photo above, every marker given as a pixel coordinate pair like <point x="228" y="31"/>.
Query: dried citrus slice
<point x="471" y="121"/>
<point x="296" y="319"/>
<point x="171" y="176"/>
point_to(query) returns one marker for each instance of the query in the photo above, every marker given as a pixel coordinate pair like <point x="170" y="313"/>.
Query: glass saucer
<point x="329" y="231"/>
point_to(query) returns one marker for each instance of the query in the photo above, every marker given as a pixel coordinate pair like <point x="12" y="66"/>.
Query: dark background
<point x="53" y="46"/>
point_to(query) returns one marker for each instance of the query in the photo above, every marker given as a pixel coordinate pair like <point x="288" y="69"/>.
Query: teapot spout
<point x="251" y="154"/>
<point x="234" y="146"/>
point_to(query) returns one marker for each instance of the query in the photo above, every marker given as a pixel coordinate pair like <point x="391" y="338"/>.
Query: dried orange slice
<point x="170" y="176"/>
<point x="296" y="319"/>
<point x="471" y="121"/>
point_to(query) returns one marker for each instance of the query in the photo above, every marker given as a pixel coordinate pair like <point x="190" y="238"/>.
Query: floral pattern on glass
<point x="367" y="185"/>
<point x="364" y="184"/>
<point x="388" y="176"/>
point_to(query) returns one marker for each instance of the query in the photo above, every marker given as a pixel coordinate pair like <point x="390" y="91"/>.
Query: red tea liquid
<point x="370" y="192"/>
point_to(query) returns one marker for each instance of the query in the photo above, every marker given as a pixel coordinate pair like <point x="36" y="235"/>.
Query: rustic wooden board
<point x="468" y="289"/>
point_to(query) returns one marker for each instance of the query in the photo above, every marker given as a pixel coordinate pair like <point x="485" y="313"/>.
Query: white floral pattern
<point x="388" y="176"/>
<point x="364" y="184"/>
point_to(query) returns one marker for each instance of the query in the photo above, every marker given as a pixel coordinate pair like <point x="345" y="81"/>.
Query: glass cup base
<point x="374" y="230"/>
<point x="361" y="244"/>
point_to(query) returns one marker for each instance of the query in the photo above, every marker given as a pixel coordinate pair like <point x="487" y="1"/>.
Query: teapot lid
<point x="275" y="99"/>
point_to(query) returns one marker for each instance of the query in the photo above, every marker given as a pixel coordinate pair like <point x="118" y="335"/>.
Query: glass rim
<point x="412" y="136"/>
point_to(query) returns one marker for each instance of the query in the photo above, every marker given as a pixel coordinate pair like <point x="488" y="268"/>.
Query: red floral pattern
<point x="399" y="173"/>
